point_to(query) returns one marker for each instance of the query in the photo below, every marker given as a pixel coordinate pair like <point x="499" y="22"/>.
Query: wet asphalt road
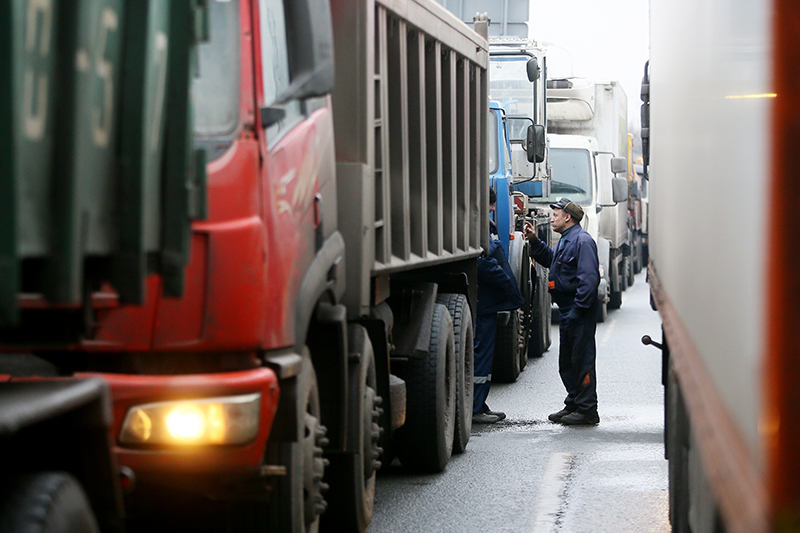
<point x="526" y="474"/>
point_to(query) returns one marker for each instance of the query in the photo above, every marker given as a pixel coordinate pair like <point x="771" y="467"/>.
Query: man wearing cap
<point x="573" y="281"/>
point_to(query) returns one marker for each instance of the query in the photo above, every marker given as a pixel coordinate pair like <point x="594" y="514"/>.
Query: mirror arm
<point x="271" y="115"/>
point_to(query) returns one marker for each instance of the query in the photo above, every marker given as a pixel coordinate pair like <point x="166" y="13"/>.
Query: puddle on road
<point x="614" y="423"/>
<point x="511" y="425"/>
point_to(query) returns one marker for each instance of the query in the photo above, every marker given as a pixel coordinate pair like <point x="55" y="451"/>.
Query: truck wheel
<point x="623" y="273"/>
<point x="615" y="300"/>
<point x="638" y="254"/>
<point x="602" y="312"/>
<point x="540" y="319"/>
<point x="45" y="502"/>
<point x="524" y="338"/>
<point x="351" y="475"/>
<point x="676" y="440"/>
<point x="465" y="360"/>
<point x="297" y="502"/>
<point x="629" y="273"/>
<point x="505" y="367"/>
<point x="548" y="307"/>
<point x="425" y="441"/>
<point x="526" y="313"/>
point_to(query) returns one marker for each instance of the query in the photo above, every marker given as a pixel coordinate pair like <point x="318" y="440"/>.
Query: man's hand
<point x="530" y="231"/>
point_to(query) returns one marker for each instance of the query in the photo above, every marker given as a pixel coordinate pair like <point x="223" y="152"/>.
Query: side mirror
<point x="533" y="69"/>
<point x="619" y="165"/>
<point x="619" y="189"/>
<point x="535" y="143"/>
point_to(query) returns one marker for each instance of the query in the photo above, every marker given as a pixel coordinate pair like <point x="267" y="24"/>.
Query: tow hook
<point x="646" y="340"/>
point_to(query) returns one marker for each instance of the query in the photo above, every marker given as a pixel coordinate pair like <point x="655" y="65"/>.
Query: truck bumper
<point x="217" y="471"/>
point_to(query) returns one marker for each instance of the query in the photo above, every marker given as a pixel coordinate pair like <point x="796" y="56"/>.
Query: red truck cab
<point x="196" y="381"/>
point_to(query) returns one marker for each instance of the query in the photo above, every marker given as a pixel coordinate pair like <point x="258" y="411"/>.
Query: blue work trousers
<point x="485" y="333"/>
<point x="576" y="359"/>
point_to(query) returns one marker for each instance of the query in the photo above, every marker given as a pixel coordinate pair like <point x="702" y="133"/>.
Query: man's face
<point x="560" y="220"/>
<point x="492" y="207"/>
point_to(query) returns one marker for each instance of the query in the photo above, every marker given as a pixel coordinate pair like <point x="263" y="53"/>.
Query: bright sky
<point x="604" y="40"/>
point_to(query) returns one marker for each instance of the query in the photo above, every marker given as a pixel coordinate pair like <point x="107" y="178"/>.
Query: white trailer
<point x="724" y="257"/>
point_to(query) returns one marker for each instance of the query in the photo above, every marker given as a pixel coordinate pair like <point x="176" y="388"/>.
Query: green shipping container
<point x="87" y="191"/>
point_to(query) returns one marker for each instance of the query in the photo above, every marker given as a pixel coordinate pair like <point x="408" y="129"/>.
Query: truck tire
<point x="297" y="502"/>
<point x="352" y="475"/>
<point x="45" y="502"/>
<point x="524" y="338"/>
<point x="425" y="441"/>
<point x="549" y="314"/>
<point x="464" y="343"/>
<point x="520" y="262"/>
<point x="615" y="300"/>
<point x="638" y="254"/>
<point x="623" y="273"/>
<point x="541" y="318"/>
<point x="505" y="366"/>
<point x="615" y="297"/>
<point x="676" y="440"/>
<point x="529" y="293"/>
<point x="602" y="312"/>
<point x="629" y="273"/>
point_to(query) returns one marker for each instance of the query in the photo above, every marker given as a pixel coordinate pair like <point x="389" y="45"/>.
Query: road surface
<point x="526" y="474"/>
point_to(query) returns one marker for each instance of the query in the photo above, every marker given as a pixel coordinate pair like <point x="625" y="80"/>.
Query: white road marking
<point x="609" y="327"/>
<point x="551" y="492"/>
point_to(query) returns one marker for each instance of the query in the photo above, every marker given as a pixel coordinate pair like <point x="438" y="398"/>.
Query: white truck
<point x="588" y="147"/>
<point x="722" y="136"/>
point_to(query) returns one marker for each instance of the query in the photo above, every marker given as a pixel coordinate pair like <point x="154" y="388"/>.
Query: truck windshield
<point x="509" y="85"/>
<point x="215" y="88"/>
<point x="571" y="175"/>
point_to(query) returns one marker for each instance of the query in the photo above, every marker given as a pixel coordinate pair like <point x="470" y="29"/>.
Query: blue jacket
<point x="497" y="287"/>
<point x="574" y="268"/>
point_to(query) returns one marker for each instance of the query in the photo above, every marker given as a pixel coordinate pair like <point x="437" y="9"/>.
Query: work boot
<point x="485" y="418"/>
<point x="581" y="419"/>
<point x="556" y="417"/>
<point x="499" y="414"/>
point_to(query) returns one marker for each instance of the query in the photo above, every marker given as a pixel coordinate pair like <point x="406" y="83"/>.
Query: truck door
<point x="297" y="143"/>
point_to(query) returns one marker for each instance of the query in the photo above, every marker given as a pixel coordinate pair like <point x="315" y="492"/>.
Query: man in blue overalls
<point x="573" y="280"/>
<point x="497" y="291"/>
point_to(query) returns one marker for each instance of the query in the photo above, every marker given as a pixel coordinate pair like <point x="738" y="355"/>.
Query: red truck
<point x="323" y="324"/>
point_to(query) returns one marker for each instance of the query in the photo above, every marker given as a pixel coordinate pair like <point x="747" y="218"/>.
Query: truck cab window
<point x="510" y="86"/>
<point x="275" y="66"/>
<point x="215" y="88"/>
<point x="572" y="175"/>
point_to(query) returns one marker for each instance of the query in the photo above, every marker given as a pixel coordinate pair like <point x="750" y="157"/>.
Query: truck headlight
<point x="225" y="420"/>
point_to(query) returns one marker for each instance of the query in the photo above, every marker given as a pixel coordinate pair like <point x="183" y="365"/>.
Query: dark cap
<point x="570" y="207"/>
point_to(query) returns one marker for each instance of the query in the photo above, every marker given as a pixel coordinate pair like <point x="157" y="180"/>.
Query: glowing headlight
<point x="228" y="420"/>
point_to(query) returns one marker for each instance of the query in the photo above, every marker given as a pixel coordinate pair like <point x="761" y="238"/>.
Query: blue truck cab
<point x="525" y="331"/>
<point x="500" y="177"/>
